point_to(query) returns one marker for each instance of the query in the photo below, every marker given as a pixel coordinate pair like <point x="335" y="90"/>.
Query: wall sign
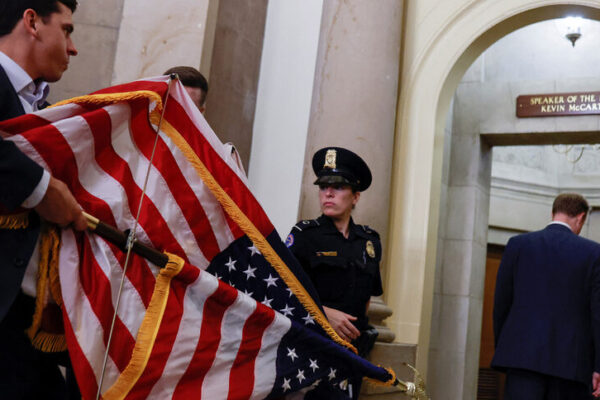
<point x="558" y="104"/>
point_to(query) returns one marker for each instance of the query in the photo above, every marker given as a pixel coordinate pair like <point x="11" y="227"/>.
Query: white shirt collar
<point x="31" y="95"/>
<point x="561" y="223"/>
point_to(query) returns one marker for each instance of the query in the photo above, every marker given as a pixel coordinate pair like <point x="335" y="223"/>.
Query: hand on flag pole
<point x="60" y="207"/>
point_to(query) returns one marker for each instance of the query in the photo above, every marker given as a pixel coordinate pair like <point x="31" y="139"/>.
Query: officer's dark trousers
<point x="26" y="373"/>
<point x="528" y="385"/>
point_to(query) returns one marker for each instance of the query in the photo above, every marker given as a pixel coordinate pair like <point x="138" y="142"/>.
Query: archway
<point x="418" y="168"/>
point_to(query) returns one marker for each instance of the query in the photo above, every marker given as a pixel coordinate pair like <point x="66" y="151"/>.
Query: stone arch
<point x="429" y="82"/>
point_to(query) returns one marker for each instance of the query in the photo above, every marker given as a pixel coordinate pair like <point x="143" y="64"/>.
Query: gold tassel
<point x="14" y="221"/>
<point x="49" y="342"/>
<point x="47" y="278"/>
<point x="112" y="98"/>
<point x="389" y="383"/>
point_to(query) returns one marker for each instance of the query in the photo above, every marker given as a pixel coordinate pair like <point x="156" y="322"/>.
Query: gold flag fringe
<point x="47" y="279"/>
<point x="112" y="98"/>
<point x="14" y="221"/>
<point x="232" y="209"/>
<point x="148" y="331"/>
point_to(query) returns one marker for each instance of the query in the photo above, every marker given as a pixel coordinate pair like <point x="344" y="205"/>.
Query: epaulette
<point x="306" y="224"/>
<point x="369" y="231"/>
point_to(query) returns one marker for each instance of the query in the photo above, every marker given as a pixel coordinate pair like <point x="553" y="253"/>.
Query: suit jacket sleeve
<point x="595" y="308"/>
<point x="19" y="175"/>
<point x="504" y="287"/>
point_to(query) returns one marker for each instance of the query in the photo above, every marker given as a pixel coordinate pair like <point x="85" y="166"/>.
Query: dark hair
<point x="11" y="11"/>
<point x="571" y="204"/>
<point x="191" y="77"/>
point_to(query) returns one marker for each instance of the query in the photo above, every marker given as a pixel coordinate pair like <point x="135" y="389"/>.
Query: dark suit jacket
<point x="19" y="175"/>
<point x="547" y="305"/>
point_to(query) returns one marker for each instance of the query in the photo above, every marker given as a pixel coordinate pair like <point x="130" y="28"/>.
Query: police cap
<point x="337" y="165"/>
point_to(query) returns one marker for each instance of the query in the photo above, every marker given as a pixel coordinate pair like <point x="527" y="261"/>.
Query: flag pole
<point x="119" y="239"/>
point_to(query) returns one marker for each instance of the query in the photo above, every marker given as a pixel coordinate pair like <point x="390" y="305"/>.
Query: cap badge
<point x="330" y="157"/>
<point x="370" y="249"/>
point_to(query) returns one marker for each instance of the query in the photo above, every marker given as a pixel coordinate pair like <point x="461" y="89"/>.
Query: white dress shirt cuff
<point x="38" y="193"/>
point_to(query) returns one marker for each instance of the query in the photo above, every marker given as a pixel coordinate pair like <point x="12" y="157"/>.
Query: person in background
<point x="35" y="47"/>
<point x="547" y="309"/>
<point x="194" y="82"/>
<point x="196" y="86"/>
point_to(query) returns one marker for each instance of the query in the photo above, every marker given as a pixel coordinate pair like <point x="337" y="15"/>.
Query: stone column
<point x="354" y="97"/>
<point x="378" y="312"/>
<point x="354" y="106"/>
<point x="155" y="35"/>
<point x="234" y="72"/>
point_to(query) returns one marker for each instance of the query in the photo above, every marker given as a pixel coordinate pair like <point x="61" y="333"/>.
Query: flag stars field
<point x="331" y="375"/>
<point x="250" y="272"/>
<point x="267" y="302"/>
<point x="253" y="250"/>
<point x="292" y="354"/>
<point x="287" y="311"/>
<point x="300" y="375"/>
<point x="271" y="281"/>
<point x="308" y="320"/>
<point x="231" y="264"/>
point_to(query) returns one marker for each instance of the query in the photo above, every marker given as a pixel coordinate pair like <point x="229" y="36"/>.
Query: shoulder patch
<point x="289" y="241"/>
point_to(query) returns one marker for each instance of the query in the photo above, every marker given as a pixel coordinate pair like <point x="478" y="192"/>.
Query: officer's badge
<point x="289" y="241"/>
<point x="330" y="159"/>
<point x="370" y="249"/>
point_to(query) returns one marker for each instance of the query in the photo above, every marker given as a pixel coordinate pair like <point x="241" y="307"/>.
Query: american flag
<point x="233" y="316"/>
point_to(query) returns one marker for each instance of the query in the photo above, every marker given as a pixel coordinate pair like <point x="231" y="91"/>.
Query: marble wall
<point x="96" y="36"/>
<point x="124" y="40"/>
<point x="155" y="35"/>
<point x="234" y="72"/>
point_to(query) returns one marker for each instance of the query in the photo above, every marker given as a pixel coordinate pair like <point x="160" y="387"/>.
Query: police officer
<point x="340" y="257"/>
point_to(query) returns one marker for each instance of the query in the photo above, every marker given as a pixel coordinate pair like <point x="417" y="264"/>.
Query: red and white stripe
<point x="103" y="155"/>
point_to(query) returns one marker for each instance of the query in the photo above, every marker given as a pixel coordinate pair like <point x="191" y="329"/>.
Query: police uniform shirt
<point x="345" y="271"/>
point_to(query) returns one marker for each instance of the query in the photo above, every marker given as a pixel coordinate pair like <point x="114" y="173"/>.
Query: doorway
<point x="524" y="182"/>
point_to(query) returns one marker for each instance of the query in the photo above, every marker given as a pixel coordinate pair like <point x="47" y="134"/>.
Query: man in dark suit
<point x="35" y="46"/>
<point x="547" y="309"/>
